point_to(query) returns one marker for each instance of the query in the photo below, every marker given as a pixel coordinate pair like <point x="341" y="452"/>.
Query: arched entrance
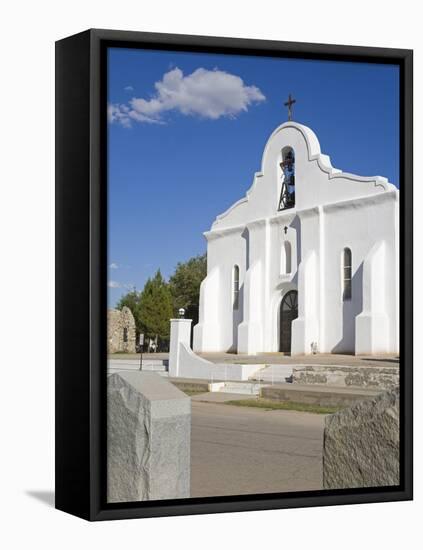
<point x="288" y="312"/>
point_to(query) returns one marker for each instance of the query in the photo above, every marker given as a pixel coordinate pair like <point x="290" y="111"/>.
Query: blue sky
<point x="187" y="132"/>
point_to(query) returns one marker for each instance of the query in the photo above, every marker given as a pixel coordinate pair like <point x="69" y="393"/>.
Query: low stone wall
<point x="383" y="378"/>
<point x="148" y="438"/>
<point x="361" y="444"/>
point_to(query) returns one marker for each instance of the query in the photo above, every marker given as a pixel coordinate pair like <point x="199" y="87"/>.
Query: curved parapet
<point x="314" y="154"/>
<point x="317" y="181"/>
<point x="184" y="363"/>
<point x="193" y="366"/>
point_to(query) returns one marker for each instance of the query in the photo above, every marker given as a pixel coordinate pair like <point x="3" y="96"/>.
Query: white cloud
<point x="203" y="93"/>
<point x="129" y="88"/>
<point x="114" y="284"/>
<point x="113" y="265"/>
<point x="119" y="113"/>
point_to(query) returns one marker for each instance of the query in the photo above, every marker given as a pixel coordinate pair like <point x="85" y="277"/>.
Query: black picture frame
<point x="81" y="261"/>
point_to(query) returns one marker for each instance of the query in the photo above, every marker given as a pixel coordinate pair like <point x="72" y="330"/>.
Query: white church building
<point x="307" y="261"/>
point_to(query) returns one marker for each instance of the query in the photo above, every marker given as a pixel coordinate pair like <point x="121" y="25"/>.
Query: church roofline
<point x="314" y="155"/>
<point x="289" y="214"/>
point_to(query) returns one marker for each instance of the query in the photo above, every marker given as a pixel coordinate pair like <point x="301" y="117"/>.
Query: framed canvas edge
<point x="92" y="460"/>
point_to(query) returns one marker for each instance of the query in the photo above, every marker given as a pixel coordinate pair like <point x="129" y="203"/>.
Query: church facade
<point x="306" y="262"/>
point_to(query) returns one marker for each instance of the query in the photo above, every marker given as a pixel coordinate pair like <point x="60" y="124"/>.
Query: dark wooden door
<point x="288" y="312"/>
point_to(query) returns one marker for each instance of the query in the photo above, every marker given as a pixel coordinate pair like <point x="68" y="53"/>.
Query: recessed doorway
<point x="288" y="312"/>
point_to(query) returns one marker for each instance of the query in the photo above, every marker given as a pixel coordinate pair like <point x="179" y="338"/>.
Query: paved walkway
<point x="280" y="359"/>
<point x="319" y="359"/>
<point x="237" y="450"/>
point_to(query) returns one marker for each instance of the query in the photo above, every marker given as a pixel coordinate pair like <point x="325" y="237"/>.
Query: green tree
<point x="155" y="309"/>
<point x="185" y="286"/>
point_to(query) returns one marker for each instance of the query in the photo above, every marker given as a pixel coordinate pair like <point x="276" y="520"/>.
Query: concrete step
<point x="240" y="388"/>
<point x="158" y="362"/>
<point x="273" y="374"/>
<point x="156" y="366"/>
<point x="325" y="396"/>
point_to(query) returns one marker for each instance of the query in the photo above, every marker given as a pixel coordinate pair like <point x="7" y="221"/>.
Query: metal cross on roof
<point x="289" y="104"/>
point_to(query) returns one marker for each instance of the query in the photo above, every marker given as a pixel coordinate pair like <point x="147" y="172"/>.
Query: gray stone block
<point x="361" y="444"/>
<point x="148" y="438"/>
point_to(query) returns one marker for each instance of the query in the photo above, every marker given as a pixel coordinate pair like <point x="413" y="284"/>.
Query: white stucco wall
<point x="333" y="210"/>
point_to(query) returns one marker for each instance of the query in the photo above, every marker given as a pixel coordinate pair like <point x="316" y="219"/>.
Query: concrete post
<point x="180" y="333"/>
<point x="148" y="438"/>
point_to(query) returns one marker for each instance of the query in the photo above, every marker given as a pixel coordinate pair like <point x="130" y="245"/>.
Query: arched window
<point x="347" y="274"/>
<point x="125" y="335"/>
<point x="287" y="198"/>
<point x="235" y="277"/>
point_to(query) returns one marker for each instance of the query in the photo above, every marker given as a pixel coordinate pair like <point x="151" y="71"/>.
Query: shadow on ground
<point x="382" y="360"/>
<point x="46" y="497"/>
